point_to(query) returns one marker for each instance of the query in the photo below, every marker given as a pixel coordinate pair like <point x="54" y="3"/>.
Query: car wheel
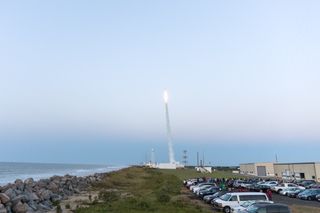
<point x="309" y="198"/>
<point x="226" y="209"/>
<point x="279" y="191"/>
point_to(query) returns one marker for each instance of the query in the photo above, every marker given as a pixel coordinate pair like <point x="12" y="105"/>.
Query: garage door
<point x="262" y="171"/>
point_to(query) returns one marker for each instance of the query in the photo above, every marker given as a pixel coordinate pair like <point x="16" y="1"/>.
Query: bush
<point x="68" y="206"/>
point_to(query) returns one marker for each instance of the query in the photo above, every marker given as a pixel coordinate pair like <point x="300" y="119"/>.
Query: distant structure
<point x="152" y="162"/>
<point x="288" y="171"/>
<point x="173" y="164"/>
<point x="185" y="158"/>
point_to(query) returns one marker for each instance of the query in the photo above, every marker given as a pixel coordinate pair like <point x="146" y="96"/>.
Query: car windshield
<point x="225" y="197"/>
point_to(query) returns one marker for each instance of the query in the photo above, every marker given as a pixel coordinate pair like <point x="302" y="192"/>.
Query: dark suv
<point x="268" y="208"/>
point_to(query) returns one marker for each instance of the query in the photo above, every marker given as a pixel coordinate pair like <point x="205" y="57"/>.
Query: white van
<point x="235" y="199"/>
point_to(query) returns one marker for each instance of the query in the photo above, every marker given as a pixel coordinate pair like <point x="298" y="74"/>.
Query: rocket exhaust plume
<point x="169" y="137"/>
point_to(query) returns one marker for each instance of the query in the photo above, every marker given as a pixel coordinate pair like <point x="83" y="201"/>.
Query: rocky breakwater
<point x="31" y="196"/>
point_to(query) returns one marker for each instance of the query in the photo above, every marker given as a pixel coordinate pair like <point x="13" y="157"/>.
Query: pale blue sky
<point x="89" y="75"/>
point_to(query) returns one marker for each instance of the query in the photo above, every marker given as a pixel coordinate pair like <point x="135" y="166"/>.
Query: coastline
<point x="33" y="196"/>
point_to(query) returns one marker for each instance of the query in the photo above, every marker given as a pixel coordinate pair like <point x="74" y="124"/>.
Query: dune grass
<point x="187" y="173"/>
<point x="137" y="190"/>
<point x="142" y="190"/>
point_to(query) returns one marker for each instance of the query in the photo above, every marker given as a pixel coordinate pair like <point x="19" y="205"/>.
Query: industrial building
<point x="257" y="169"/>
<point x="304" y="170"/>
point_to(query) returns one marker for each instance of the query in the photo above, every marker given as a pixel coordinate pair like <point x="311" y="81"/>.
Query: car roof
<point x="246" y="193"/>
<point x="269" y="204"/>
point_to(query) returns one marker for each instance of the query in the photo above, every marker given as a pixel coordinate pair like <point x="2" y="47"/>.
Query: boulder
<point x="32" y="196"/>
<point x="33" y="205"/>
<point x="19" y="198"/>
<point x="45" y="194"/>
<point x="20" y="207"/>
<point x="10" y="193"/>
<point x="29" y="181"/>
<point x="56" y="198"/>
<point x="4" y="198"/>
<point x="2" y="209"/>
<point x="53" y="187"/>
<point x="19" y="184"/>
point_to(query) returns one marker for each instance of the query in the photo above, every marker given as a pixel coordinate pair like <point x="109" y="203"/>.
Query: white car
<point x="269" y="183"/>
<point x="196" y="187"/>
<point x="246" y="204"/>
<point x="283" y="186"/>
<point x="286" y="190"/>
<point x="234" y="199"/>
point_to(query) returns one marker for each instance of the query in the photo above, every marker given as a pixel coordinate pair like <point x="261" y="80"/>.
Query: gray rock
<point x="19" y="184"/>
<point x="33" y="205"/>
<point x="29" y="181"/>
<point x="53" y="187"/>
<point x="45" y="194"/>
<point x="19" y="198"/>
<point x="2" y="209"/>
<point x="32" y="196"/>
<point x="10" y="192"/>
<point x="4" y="198"/>
<point x="43" y="207"/>
<point x="55" y="197"/>
<point x="20" y="207"/>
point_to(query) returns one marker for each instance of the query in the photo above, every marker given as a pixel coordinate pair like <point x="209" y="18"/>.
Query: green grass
<point x="138" y="190"/>
<point x="183" y="174"/>
<point x="143" y="190"/>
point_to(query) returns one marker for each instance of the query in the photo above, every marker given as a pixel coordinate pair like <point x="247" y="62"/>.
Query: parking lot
<point x="293" y="201"/>
<point x="255" y="186"/>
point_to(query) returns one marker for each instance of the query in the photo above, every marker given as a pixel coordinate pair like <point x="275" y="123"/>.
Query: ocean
<point x="9" y="172"/>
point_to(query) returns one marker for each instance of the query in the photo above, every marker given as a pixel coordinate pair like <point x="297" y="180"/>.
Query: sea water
<point x="9" y="172"/>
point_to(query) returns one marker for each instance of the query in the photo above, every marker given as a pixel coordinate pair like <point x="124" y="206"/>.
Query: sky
<point x="82" y="81"/>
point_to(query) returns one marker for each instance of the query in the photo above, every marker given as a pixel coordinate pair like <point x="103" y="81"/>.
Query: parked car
<point x="267" y="208"/>
<point x="295" y="193"/>
<point x="309" y="194"/>
<point x="283" y="186"/>
<point x="286" y="190"/>
<point x="246" y="204"/>
<point x="313" y="186"/>
<point x="307" y="183"/>
<point x="205" y="186"/>
<point x="237" y="183"/>
<point x="196" y="187"/>
<point x="217" y="195"/>
<point x="269" y="184"/>
<point x="209" y="191"/>
<point x="235" y="199"/>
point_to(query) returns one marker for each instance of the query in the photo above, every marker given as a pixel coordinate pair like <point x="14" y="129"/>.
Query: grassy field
<point x="183" y="174"/>
<point x="138" y="190"/>
<point x="141" y="190"/>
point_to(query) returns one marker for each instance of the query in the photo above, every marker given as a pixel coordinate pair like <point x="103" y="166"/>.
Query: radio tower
<point x="169" y="137"/>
